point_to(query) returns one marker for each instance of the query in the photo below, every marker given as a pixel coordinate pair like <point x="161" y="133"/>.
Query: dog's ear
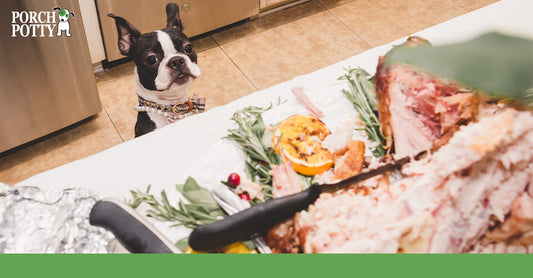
<point x="127" y="34"/>
<point x="173" y="16"/>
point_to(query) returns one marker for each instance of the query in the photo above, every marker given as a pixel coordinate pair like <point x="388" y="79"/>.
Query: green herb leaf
<point x="305" y="181"/>
<point x="249" y="244"/>
<point x="254" y="139"/>
<point x="189" y="185"/>
<point x="362" y="94"/>
<point x="200" y="209"/>
<point x="183" y="244"/>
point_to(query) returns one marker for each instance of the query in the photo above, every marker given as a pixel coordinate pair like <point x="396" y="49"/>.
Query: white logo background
<point x="40" y="23"/>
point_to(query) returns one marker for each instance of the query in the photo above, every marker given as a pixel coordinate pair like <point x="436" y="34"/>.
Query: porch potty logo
<point x="40" y="24"/>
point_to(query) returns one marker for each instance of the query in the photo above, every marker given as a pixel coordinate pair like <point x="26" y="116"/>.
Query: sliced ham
<point x="419" y="111"/>
<point x="285" y="180"/>
<point x="304" y="100"/>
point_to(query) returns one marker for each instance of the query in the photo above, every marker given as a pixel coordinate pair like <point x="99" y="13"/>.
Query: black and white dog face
<point x="166" y="60"/>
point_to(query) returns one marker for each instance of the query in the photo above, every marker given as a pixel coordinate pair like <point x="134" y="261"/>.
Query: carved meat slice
<point x="285" y="180"/>
<point x="305" y="101"/>
<point x="419" y="111"/>
<point x="349" y="161"/>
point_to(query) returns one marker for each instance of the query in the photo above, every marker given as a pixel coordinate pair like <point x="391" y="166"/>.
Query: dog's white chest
<point x="159" y="120"/>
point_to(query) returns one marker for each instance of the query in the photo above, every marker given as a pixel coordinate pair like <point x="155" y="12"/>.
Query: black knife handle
<point x="255" y="220"/>
<point x="130" y="228"/>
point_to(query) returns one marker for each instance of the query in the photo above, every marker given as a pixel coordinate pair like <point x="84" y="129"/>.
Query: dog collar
<point x="174" y="112"/>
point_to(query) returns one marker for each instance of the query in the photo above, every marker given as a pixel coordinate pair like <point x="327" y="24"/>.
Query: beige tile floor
<point x="239" y="60"/>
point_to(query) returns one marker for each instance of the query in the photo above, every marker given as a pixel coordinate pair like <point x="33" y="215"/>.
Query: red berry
<point x="234" y="180"/>
<point x="244" y="196"/>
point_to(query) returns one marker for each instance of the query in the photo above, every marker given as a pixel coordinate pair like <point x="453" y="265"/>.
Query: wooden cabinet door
<point x="198" y="16"/>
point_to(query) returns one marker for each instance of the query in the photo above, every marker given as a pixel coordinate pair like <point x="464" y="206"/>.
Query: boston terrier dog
<point x="166" y="65"/>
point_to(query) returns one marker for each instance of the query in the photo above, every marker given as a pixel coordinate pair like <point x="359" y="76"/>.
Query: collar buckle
<point x="183" y="108"/>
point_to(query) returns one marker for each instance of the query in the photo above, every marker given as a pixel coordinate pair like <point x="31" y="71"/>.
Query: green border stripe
<point x="234" y="265"/>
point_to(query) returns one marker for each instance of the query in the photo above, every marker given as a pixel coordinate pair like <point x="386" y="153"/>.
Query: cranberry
<point x="234" y="180"/>
<point x="244" y="196"/>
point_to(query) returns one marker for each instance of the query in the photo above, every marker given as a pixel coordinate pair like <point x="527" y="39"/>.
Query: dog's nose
<point x="176" y="63"/>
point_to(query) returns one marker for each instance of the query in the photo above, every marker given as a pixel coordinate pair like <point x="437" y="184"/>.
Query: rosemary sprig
<point x="361" y="94"/>
<point x="251" y="135"/>
<point x="201" y="207"/>
<point x="256" y="142"/>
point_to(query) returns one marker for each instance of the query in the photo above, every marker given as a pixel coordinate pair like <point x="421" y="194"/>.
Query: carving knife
<point x="261" y="217"/>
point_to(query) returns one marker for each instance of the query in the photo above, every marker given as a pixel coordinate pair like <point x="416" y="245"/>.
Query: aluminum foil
<point x="34" y="220"/>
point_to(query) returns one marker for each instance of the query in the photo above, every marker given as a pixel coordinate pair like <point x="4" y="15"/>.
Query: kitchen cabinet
<point x="198" y="16"/>
<point x="268" y="4"/>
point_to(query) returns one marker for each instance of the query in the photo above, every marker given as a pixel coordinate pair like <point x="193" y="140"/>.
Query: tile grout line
<point x="113" y="123"/>
<point x="264" y="30"/>
<point x="459" y="4"/>
<point x="344" y="24"/>
<point x="234" y="63"/>
<point x="242" y="71"/>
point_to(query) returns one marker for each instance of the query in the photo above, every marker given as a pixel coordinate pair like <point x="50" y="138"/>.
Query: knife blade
<point x="261" y="217"/>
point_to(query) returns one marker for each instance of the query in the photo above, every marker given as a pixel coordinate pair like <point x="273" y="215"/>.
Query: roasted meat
<point x="349" y="161"/>
<point x="472" y="195"/>
<point x="472" y="192"/>
<point x="282" y="238"/>
<point x="419" y="111"/>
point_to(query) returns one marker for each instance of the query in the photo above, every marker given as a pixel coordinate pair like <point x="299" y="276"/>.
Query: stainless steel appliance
<point x="46" y="82"/>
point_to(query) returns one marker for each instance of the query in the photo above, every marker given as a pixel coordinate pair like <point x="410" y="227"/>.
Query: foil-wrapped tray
<point x="35" y="220"/>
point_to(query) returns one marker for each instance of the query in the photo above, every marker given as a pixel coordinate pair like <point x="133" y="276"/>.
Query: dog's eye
<point x="188" y="48"/>
<point x="152" y="60"/>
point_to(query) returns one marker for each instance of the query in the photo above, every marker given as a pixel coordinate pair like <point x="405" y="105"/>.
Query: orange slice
<point x="300" y="139"/>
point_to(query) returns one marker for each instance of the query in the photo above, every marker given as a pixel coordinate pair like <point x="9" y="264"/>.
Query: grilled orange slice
<point x="300" y="138"/>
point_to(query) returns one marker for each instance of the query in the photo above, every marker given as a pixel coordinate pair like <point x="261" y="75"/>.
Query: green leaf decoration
<point x="200" y="208"/>
<point x="189" y="185"/>
<point x="254" y="139"/>
<point x="361" y="92"/>
<point x="498" y="65"/>
<point x="182" y="244"/>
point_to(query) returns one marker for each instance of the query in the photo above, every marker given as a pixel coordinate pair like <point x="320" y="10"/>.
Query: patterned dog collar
<point x="174" y="112"/>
